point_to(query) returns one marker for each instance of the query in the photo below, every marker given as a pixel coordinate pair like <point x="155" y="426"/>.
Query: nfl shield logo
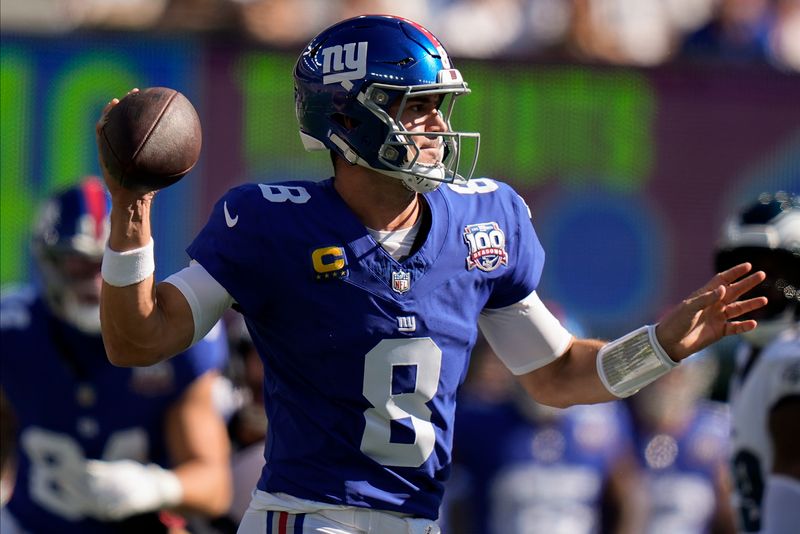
<point x="401" y="281"/>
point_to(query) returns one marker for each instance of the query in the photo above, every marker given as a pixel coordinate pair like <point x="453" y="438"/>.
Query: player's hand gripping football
<point x="149" y="139"/>
<point x="113" y="182"/>
<point x="708" y="314"/>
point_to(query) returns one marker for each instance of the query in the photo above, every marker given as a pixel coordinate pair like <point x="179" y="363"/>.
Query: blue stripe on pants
<point x="298" y="523"/>
<point x="269" y="521"/>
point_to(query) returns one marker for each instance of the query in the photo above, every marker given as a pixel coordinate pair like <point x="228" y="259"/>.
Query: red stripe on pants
<point x="282" y="520"/>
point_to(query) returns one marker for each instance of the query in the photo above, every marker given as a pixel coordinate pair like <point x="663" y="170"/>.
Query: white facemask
<point x="84" y="317"/>
<point x="70" y="303"/>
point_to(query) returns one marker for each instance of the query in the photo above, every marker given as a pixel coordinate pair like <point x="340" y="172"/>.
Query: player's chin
<point x="430" y="156"/>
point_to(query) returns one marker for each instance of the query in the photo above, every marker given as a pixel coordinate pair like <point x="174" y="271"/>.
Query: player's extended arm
<point x="570" y="379"/>
<point x="143" y="323"/>
<point x="199" y="448"/>
<point x="700" y="320"/>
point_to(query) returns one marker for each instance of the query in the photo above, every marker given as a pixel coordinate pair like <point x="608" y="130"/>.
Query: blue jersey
<point x="71" y="404"/>
<point x="683" y="468"/>
<point x="545" y="475"/>
<point x="363" y="354"/>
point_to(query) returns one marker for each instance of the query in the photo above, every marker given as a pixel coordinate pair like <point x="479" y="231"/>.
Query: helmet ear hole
<point x="346" y="122"/>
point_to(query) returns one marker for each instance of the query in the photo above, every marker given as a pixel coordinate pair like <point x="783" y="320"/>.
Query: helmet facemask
<point x="401" y="154"/>
<point x="71" y="287"/>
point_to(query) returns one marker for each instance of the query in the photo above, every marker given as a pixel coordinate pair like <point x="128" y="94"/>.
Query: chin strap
<point x="414" y="183"/>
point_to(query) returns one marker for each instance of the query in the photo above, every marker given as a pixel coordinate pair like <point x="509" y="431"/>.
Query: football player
<point x="765" y="387"/>
<point x="364" y="292"/>
<point x="523" y="468"/>
<point x="101" y="449"/>
<point x="683" y="442"/>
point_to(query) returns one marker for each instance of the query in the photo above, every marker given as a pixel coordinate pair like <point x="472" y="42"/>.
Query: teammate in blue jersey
<point x="524" y="468"/>
<point x="364" y="292"/>
<point x="683" y="443"/>
<point x="100" y="449"/>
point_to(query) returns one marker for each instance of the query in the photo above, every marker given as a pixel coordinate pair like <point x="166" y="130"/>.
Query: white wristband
<point x="629" y="363"/>
<point x="122" y="269"/>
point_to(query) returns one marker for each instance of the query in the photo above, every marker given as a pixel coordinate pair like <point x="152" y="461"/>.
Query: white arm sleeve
<point x="525" y="335"/>
<point x="206" y="297"/>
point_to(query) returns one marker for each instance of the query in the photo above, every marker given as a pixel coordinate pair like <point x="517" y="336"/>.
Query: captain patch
<point x="487" y="246"/>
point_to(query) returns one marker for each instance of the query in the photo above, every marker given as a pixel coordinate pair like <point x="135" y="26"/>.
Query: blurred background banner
<point x="51" y="93"/>
<point x="628" y="171"/>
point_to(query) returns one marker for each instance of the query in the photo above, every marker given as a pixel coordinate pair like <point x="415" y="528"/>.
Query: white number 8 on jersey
<point x="378" y="371"/>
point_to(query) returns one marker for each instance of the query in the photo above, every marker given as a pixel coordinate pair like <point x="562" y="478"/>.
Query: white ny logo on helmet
<point x="353" y="67"/>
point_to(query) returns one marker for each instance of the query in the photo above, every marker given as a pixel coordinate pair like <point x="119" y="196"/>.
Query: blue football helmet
<point x="766" y="233"/>
<point x="69" y="237"/>
<point x="348" y="78"/>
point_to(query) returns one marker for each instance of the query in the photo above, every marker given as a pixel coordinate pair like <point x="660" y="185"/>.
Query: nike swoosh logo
<point x="230" y="221"/>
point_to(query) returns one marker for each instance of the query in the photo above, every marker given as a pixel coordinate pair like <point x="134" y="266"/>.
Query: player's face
<point x="82" y="275"/>
<point x="421" y="114"/>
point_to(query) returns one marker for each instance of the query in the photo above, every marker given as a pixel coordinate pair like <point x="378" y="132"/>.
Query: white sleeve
<point x="525" y="335"/>
<point x="206" y="297"/>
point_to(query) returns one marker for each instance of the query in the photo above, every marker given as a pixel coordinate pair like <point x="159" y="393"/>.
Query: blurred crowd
<point x="620" y="32"/>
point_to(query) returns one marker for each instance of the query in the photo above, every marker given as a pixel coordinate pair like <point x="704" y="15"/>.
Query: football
<point x="150" y="139"/>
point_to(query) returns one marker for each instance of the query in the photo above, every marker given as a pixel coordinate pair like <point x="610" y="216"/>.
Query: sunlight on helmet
<point x="766" y="233"/>
<point x="356" y="79"/>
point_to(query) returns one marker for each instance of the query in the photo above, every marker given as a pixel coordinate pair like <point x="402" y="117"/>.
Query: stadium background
<point x="628" y="171"/>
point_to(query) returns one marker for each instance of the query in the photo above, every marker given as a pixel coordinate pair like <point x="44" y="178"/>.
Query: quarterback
<point x="364" y="292"/>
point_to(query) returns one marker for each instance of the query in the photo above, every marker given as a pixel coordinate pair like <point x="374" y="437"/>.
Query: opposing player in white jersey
<point x="765" y="391"/>
<point x="364" y="292"/>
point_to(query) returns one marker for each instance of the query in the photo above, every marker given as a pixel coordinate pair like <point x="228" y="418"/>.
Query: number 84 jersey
<point x="363" y="354"/>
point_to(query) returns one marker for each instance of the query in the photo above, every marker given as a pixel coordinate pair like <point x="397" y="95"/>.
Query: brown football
<point x="150" y="139"/>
